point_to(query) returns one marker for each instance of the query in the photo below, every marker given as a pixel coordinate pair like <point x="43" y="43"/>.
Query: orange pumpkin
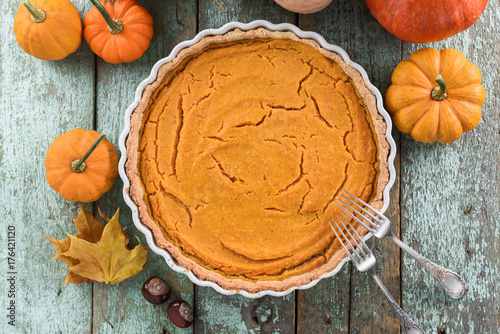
<point x="435" y="95"/>
<point x="48" y="30"/>
<point x="81" y="165"/>
<point x="421" y="21"/>
<point x="118" y="31"/>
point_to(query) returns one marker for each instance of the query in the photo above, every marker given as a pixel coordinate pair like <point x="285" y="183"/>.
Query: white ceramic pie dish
<point x="212" y="32"/>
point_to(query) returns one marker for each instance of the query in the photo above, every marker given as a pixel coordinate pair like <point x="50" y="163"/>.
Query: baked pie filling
<point x="239" y="150"/>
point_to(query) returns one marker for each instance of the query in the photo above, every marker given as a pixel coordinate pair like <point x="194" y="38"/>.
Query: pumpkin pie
<point x="238" y="150"/>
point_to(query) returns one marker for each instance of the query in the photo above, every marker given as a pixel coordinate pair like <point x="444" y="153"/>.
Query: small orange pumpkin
<point x="118" y="31"/>
<point x="435" y="95"/>
<point x="81" y="165"/>
<point x="49" y="30"/>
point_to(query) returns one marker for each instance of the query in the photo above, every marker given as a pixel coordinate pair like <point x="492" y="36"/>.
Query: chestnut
<point x="156" y="291"/>
<point x="180" y="313"/>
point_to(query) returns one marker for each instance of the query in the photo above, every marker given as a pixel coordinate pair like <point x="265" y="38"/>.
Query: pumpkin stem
<point x="439" y="93"/>
<point x="37" y="15"/>
<point x="115" y="26"/>
<point x="79" y="165"/>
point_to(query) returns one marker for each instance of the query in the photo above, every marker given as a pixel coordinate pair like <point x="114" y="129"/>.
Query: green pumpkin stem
<point x="79" y="165"/>
<point x="37" y="15"/>
<point x="439" y="93"/>
<point x="115" y="26"/>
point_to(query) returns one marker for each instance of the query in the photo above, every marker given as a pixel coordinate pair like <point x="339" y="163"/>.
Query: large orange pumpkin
<point x="118" y="31"/>
<point x="81" y="165"/>
<point x="435" y="95"/>
<point x="421" y="21"/>
<point x="48" y="29"/>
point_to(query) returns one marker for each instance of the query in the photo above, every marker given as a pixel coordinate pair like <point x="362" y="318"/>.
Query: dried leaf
<point x="98" y="253"/>
<point x="103" y="216"/>
<point x="76" y="279"/>
<point x="89" y="228"/>
<point x="62" y="246"/>
<point x="108" y="260"/>
<point x="107" y="219"/>
<point x="127" y="239"/>
<point x="221" y="6"/>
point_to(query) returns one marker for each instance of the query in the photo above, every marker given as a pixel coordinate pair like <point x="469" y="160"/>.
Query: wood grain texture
<point x="333" y="294"/>
<point x="368" y="44"/>
<point x="216" y="313"/>
<point x="115" y="91"/>
<point x="38" y="102"/>
<point x="212" y="16"/>
<point x="450" y="202"/>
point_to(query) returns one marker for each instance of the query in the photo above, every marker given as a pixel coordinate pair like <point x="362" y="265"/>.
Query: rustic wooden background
<point x="445" y="202"/>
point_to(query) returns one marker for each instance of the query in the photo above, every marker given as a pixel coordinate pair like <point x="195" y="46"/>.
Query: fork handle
<point x="408" y="325"/>
<point x="454" y="285"/>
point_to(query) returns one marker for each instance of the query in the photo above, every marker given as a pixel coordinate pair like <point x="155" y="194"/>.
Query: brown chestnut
<point x="180" y="313"/>
<point x="156" y="291"/>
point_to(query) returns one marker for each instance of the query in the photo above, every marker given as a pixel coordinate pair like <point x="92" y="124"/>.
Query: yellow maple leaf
<point x="103" y="216"/>
<point x="62" y="246"/>
<point x="76" y="279"/>
<point x="106" y="219"/>
<point x="99" y="253"/>
<point x="88" y="227"/>
<point x="108" y="260"/>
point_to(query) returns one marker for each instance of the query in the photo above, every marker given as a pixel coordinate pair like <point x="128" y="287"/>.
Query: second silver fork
<point x="364" y="260"/>
<point x="380" y="226"/>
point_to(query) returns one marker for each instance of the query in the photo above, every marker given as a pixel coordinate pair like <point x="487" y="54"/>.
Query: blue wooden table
<point x="445" y="202"/>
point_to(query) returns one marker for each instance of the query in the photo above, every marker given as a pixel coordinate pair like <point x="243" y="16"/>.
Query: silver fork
<point x="380" y="226"/>
<point x="364" y="260"/>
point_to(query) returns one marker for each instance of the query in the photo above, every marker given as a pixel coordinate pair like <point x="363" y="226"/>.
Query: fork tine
<point x="361" y="243"/>
<point x="351" y="256"/>
<point x="350" y="234"/>
<point x="340" y="240"/>
<point x="362" y="202"/>
<point x="361" y="208"/>
<point x="356" y="218"/>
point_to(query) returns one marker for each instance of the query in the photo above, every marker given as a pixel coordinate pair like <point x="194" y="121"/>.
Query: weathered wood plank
<point x="116" y="86"/>
<point x="450" y="196"/>
<point x="351" y="26"/>
<point x="234" y="314"/>
<point x="39" y="100"/>
<point x="325" y="307"/>
<point x="210" y="15"/>
<point x="217" y="313"/>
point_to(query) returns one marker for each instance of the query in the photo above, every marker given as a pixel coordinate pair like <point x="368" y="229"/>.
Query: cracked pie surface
<point x="238" y="150"/>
